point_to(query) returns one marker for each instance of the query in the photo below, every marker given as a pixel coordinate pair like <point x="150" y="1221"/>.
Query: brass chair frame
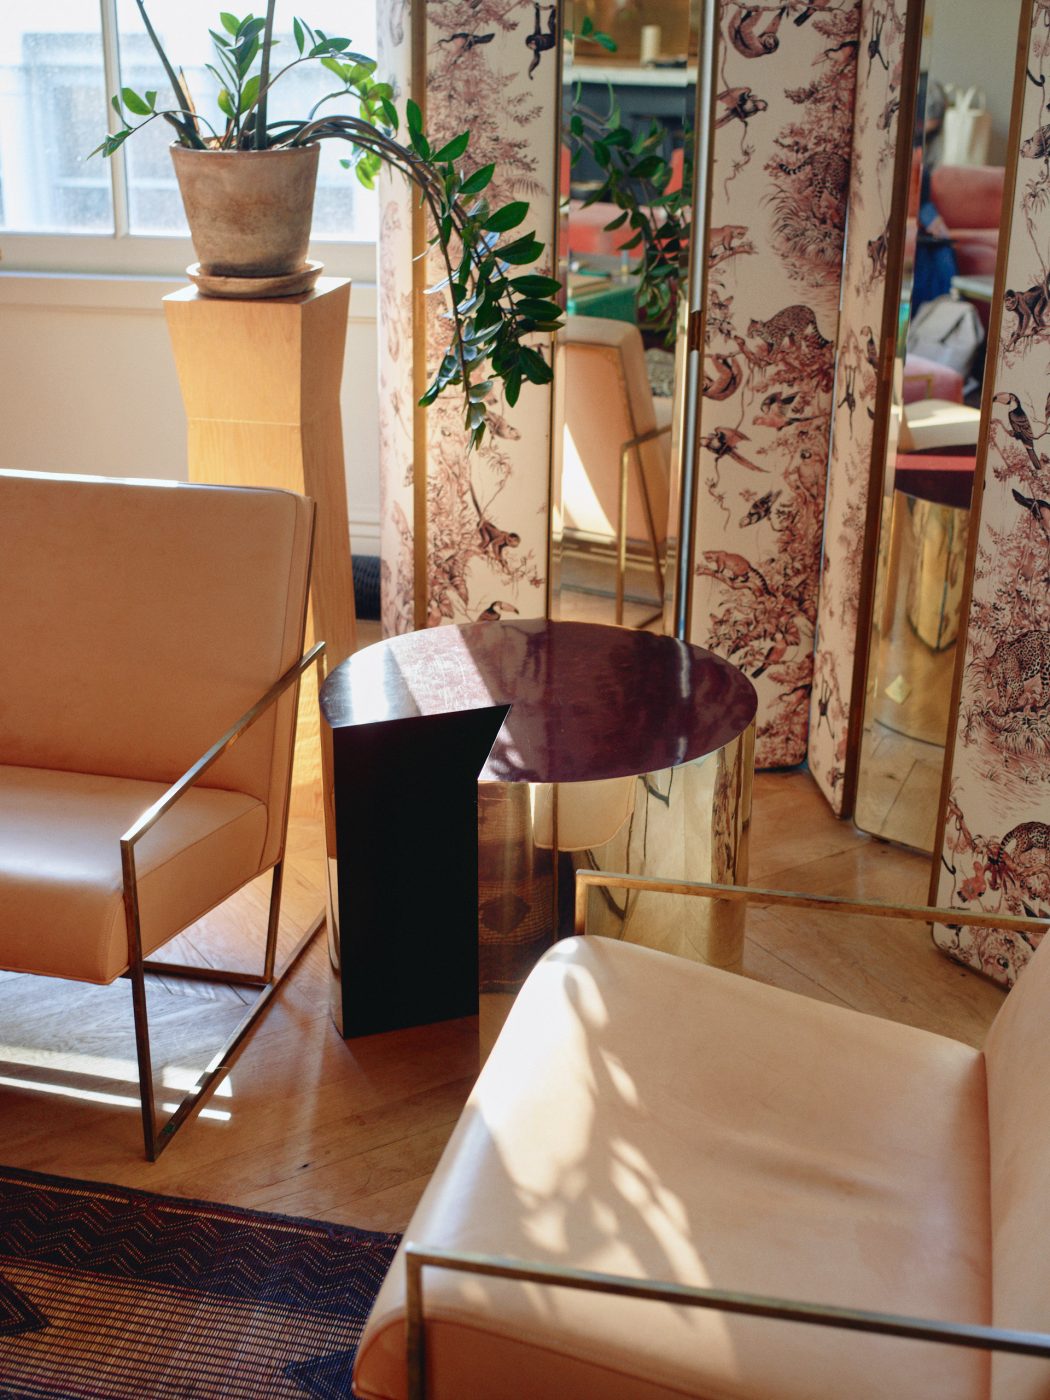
<point x="419" y="1257"/>
<point x="157" y="1138"/>
<point x="627" y="449"/>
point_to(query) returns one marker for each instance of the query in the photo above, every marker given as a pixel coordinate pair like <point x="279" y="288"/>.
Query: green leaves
<point x="452" y="150"/>
<point x="636" y="179"/>
<point x="522" y="250"/>
<point x="480" y="179"/>
<point x="588" y="31"/>
<point x="510" y="216"/>
<point x="532" y="285"/>
<point x="134" y="103"/>
<point x="498" y="322"/>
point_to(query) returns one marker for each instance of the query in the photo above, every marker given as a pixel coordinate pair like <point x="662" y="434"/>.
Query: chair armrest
<point x="418" y="1257"/>
<point x="650" y="436"/>
<point x="197" y="770"/>
<point x="743" y="894"/>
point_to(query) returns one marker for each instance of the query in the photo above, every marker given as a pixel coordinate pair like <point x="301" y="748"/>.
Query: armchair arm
<point x="418" y="1257"/>
<point x="179" y="788"/>
<point x="193" y="774"/>
<point x="922" y="913"/>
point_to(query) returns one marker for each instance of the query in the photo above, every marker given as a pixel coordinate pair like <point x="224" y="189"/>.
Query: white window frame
<point x="123" y="253"/>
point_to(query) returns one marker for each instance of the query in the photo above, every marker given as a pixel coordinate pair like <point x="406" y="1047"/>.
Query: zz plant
<point x="494" y="307"/>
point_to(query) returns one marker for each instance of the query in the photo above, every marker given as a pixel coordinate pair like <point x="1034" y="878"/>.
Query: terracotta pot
<point x="249" y="212"/>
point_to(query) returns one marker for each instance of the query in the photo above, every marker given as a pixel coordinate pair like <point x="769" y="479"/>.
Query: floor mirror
<point x="950" y="248"/>
<point x="625" y="181"/>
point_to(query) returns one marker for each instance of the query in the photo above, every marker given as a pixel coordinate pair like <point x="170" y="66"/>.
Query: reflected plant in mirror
<point x="650" y="193"/>
<point x="646" y="186"/>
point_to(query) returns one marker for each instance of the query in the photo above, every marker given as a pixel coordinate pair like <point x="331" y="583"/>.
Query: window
<point x="58" y="66"/>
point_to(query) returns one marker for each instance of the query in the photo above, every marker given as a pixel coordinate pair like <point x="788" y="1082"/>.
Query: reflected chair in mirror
<point x="152" y="637"/>
<point x="667" y="1175"/>
<point x="616" y="457"/>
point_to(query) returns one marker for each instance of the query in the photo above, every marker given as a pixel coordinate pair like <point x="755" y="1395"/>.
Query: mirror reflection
<point x="625" y="172"/>
<point x="950" y="248"/>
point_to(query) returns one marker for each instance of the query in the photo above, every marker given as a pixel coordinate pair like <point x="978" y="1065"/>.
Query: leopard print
<point x="792" y="323"/>
<point x="1017" y="661"/>
<point x="829" y="172"/>
<point x="1029" y="836"/>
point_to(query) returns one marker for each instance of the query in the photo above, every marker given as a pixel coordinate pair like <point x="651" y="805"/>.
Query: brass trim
<point x="1024" y="32"/>
<point x="687" y="466"/>
<point x="556" y="392"/>
<point x="420" y="571"/>
<point x="764" y="898"/>
<point x="626" y="449"/>
<point x="418" y="1257"/>
<point x="155" y="1140"/>
<point x="881" y="438"/>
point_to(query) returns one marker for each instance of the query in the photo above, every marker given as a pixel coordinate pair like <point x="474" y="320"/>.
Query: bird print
<point x="1038" y="510"/>
<point x="741" y="104"/>
<point x="761" y="509"/>
<point x="723" y="443"/>
<point x="871" y="350"/>
<point x="464" y="42"/>
<point x="495" y="610"/>
<point x="1020" y="426"/>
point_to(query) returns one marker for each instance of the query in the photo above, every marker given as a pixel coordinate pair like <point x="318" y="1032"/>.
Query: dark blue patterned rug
<point x="110" y="1292"/>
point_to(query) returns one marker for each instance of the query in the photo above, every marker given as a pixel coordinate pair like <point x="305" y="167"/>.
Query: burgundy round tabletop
<point x="588" y="701"/>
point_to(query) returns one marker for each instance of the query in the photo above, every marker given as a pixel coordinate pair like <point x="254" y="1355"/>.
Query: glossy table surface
<point x="588" y="701"/>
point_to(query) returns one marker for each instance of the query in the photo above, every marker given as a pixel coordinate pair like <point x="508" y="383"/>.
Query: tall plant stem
<point x="264" y="79"/>
<point x="181" y="95"/>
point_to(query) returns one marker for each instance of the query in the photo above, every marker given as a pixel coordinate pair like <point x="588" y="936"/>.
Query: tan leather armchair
<point x="616" y="437"/>
<point x="151" y="640"/>
<point x="810" y="1185"/>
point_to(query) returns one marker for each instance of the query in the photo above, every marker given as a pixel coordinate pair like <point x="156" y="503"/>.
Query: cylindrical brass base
<point x="690" y="822"/>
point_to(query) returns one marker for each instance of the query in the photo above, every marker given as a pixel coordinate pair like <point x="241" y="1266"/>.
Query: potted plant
<point x="247" y="184"/>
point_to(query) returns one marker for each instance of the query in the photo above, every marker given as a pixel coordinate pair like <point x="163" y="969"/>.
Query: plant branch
<point x="264" y="80"/>
<point x="181" y="96"/>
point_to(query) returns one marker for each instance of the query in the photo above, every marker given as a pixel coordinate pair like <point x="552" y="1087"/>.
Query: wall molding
<point x="97" y="291"/>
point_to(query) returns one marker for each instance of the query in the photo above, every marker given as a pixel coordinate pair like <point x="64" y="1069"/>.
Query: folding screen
<point x="782" y="139"/>
<point x="995" y="839"/>
<point x="474" y="526"/>
<point x="864" y="344"/>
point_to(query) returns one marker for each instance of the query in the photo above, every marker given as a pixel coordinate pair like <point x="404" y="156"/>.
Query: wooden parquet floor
<point x="308" y="1124"/>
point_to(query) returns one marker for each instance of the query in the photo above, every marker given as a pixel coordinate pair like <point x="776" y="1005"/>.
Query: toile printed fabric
<point x="785" y="86"/>
<point x="491" y="66"/>
<point x="996" y="848"/>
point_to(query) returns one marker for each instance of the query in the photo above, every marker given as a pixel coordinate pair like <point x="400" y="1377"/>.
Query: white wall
<point x="975" y="45"/>
<point x="88" y="385"/>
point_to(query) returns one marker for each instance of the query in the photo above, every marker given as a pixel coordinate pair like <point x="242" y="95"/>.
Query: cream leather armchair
<point x="789" y="1189"/>
<point x="150" y="636"/>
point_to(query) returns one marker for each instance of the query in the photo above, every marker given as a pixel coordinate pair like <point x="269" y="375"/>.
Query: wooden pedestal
<point x="260" y="381"/>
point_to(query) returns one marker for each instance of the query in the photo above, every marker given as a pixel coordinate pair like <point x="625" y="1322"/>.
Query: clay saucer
<point x="303" y="279"/>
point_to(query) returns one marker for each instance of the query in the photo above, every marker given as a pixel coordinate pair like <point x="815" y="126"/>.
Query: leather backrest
<point x="139" y="620"/>
<point x="608" y="402"/>
<point x="1017" y="1056"/>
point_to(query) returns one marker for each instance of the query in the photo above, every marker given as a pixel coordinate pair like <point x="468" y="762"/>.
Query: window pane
<point x="52" y="113"/>
<point x="343" y="209"/>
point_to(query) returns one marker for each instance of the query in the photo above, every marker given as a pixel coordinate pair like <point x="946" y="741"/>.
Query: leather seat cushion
<point x="61" y="885"/>
<point x="652" y="1117"/>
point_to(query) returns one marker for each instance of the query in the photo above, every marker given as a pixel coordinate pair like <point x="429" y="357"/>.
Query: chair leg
<point x="157" y="1138"/>
<point x="658" y="573"/>
<point x="273" y="921"/>
<point x="137" y="976"/>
